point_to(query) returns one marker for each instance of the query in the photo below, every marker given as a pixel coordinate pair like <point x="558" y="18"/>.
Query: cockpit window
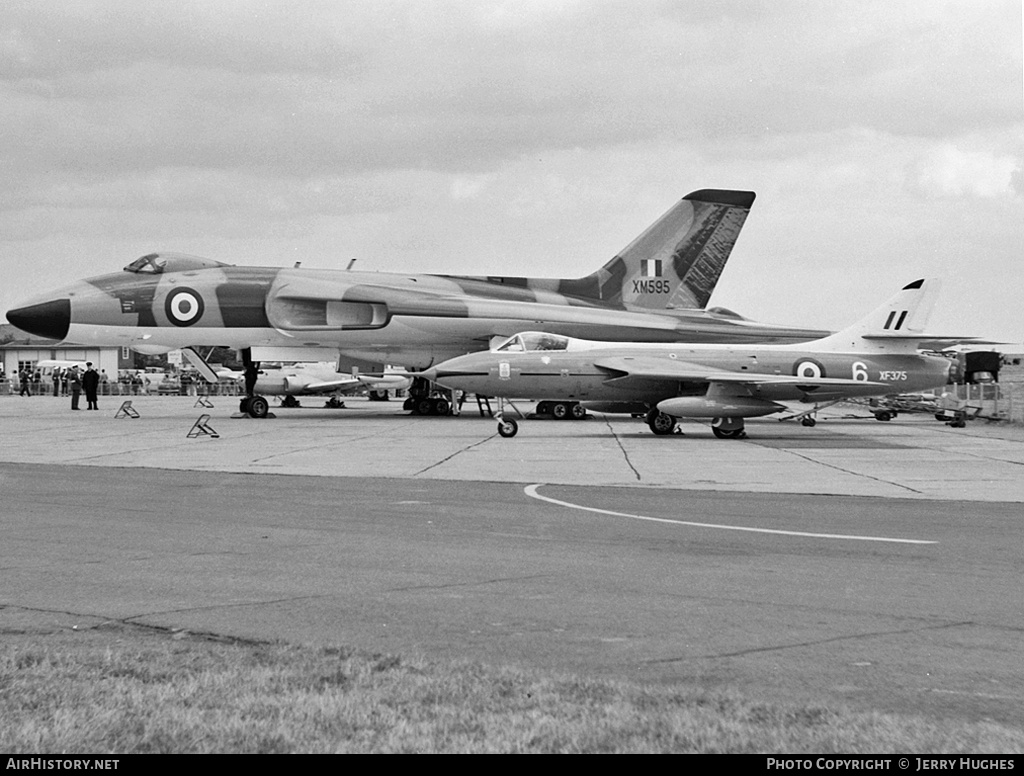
<point x="158" y="263"/>
<point x="150" y="264"/>
<point x="533" y="341"/>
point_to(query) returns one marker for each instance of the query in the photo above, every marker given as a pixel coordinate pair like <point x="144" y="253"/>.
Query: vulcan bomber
<point x="654" y="290"/>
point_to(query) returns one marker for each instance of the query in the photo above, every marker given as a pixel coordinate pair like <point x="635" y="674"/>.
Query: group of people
<point x="70" y="381"/>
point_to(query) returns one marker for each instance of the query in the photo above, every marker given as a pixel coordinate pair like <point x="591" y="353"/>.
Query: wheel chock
<point x="204" y="401"/>
<point x="202" y="428"/>
<point x="126" y="411"/>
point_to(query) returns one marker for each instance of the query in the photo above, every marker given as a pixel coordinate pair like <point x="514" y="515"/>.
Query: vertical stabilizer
<point x="676" y="262"/>
<point x="898" y="326"/>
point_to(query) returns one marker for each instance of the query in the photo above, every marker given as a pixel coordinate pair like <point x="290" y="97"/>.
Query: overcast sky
<point x="884" y="140"/>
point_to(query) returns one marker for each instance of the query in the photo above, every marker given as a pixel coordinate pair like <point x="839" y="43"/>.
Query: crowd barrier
<point x="7" y="388"/>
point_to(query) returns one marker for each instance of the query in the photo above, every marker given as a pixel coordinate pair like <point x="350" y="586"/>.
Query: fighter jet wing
<point x="623" y="370"/>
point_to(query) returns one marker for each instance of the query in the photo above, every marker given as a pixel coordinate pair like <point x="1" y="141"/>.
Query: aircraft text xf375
<point x="656" y="289"/>
<point x="726" y="383"/>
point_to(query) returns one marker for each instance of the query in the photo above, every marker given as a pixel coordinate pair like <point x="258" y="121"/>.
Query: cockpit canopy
<point x="725" y="312"/>
<point x="159" y="263"/>
<point x="531" y="341"/>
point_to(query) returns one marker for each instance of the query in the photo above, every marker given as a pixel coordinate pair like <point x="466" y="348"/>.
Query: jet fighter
<point x="727" y="383"/>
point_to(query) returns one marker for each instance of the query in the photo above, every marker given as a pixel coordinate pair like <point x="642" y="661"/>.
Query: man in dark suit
<point x="90" y="383"/>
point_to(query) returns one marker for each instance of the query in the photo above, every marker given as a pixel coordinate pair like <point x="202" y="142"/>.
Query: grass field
<point x="126" y="689"/>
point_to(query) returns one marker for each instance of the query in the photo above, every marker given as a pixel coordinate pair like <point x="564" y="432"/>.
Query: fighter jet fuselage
<point x="876" y="356"/>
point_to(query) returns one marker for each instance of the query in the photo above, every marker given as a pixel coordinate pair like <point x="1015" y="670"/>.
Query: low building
<point x="19" y="350"/>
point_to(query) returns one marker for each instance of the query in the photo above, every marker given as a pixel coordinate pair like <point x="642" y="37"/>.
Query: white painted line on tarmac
<point x="531" y="491"/>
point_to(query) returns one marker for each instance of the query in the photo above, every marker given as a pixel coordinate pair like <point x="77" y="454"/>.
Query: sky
<point x="884" y="140"/>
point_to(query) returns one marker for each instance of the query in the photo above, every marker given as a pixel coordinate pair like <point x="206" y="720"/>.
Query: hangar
<point x="19" y="350"/>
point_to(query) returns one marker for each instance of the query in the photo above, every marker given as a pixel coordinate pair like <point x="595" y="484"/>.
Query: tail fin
<point x="898" y="326"/>
<point x="676" y="262"/>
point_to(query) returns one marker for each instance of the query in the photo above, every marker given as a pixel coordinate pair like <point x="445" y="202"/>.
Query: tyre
<point x="661" y="424"/>
<point x="736" y="433"/>
<point x="578" y="411"/>
<point x="560" y="411"/>
<point x="259" y="407"/>
<point x="508" y="428"/>
<point x="441" y="406"/>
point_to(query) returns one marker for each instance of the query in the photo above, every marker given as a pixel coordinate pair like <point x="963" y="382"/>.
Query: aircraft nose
<point x="48" y="319"/>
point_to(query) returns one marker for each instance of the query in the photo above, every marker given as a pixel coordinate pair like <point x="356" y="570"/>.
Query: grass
<point x="126" y="689"/>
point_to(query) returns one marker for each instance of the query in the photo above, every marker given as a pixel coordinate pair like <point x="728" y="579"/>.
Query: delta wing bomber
<point x="656" y="289"/>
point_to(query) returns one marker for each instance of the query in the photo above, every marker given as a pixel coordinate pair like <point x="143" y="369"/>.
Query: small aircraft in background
<point x="875" y="357"/>
<point x="321" y="378"/>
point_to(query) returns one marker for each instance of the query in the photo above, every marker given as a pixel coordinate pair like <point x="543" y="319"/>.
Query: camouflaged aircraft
<point x="727" y="383"/>
<point x="656" y="289"/>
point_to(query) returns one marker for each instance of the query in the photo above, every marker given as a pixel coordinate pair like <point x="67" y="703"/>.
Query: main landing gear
<point x="663" y="424"/>
<point x="562" y="410"/>
<point x="660" y="423"/>
<point x="423" y="401"/>
<point x="254" y="406"/>
<point x="728" y="428"/>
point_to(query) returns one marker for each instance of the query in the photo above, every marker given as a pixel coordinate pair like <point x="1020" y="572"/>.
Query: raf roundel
<point x="809" y="367"/>
<point x="184" y="306"/>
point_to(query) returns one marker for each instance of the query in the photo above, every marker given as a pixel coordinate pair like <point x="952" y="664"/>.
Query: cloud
<point x="947" y="170"/>
<point x="528" y="137"/>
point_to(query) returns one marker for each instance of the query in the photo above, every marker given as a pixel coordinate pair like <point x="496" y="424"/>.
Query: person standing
<point x="76" y="387"/>
<point x="25" y="378"/>
<point x="56" y="382"/>
<point x="91" y="383"/>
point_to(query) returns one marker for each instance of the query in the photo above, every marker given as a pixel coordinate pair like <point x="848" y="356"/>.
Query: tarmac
<point x="873" y="564"/>
<point x="913" y="456"/>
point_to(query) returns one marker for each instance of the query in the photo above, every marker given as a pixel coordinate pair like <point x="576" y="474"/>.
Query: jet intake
<point x="718" y="407"/>
<point x="295" y="314"/>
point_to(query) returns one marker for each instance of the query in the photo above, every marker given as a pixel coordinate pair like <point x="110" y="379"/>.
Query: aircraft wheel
<point x="508" y="428"/>
<point x="441" y="407"/>
<point x="560" y="411"/>
<point x="424" y="407"/>
<point x="661" y="424"/>
<point x="259" y="407"/>
<point x="578" y="411"/>
<point x="809" y="422"/>
<point x="728" y="428"/>
<point x="883" y="416"/>
<point x="940" y="416"/>
<point x="243" y="405"/>
<point x="544" y="408"/>
<point x="289" y="401"/>
<point x="735" y="433"/>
